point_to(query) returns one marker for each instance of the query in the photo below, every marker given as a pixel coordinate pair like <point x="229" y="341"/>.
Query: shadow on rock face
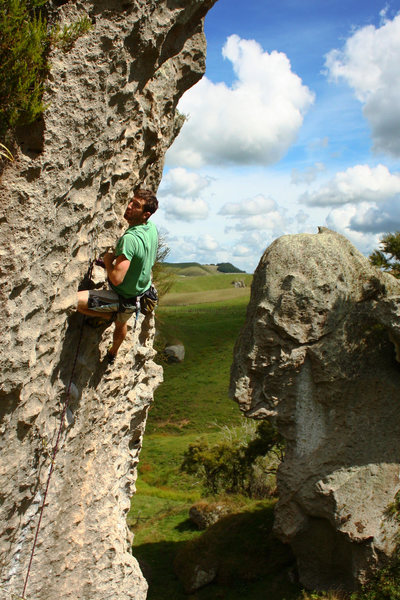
<point x="79" y="366"/>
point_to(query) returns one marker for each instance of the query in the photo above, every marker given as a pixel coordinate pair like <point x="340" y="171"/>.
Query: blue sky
<point x="296" y="124"/>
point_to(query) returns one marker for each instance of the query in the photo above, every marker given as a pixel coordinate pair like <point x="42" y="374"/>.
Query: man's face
<point x="134" y="213"/>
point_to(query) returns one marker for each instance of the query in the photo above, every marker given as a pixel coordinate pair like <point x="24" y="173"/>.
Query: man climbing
<point x="128" y="269"/>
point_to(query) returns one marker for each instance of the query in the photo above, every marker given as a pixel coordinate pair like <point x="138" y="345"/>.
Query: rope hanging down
<point x="56" y="445"/>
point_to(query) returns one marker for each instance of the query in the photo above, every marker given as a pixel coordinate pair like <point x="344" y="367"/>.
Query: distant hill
<point x="194" y="269"/>
<point x="228" y="268"/>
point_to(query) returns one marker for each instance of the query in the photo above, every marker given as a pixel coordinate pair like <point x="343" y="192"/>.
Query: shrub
<point x="220" y="466"/>
<point x="384" y="586"/>
<point x="233" y="467"/>
<point x="24" y="46"/>
<point x="162" y="277"/>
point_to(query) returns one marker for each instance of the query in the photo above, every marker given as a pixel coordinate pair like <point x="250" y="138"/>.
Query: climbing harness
<point x="144" y="303"/>
<point x="56" y="445"/>
<point x="148" y="300"/>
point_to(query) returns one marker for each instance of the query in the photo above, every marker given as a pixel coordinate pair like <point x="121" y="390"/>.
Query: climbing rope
<point x="56" y="445"/>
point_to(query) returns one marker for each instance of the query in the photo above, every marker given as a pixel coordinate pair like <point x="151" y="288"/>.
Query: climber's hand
<point x="108" y="258"/>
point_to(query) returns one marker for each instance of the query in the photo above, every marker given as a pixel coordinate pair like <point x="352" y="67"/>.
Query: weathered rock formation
<point x="111" y="116"/>
<point x="317" y="355"/>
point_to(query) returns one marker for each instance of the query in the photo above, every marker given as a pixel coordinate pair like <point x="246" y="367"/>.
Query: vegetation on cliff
<point x="26" y="39"/>
<point x="24" y="47"/>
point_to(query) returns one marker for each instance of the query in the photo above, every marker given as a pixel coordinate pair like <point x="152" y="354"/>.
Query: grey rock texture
<point x="111" y="116"/>
<point x="317" y="356"/>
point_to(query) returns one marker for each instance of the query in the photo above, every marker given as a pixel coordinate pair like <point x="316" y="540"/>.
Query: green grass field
<point x="194" y="395"/>
<point x="210" y="282"/>
<point x="205" y="297"/>
<point x="192" y="403"/>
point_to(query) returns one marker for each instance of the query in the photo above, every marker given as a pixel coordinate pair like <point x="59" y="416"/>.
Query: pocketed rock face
<point x="111" y="116"/>
<point x="317" y="356"/>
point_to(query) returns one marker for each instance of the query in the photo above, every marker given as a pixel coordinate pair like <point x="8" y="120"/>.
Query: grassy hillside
<point x="192" y="269"/>
<point x="194" y="395"/>
<point x="203" y="289"/>
<point x="193" y="403"/>
<point x="209" y="296"/>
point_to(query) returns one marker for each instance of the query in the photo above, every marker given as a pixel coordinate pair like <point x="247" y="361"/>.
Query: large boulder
<point x="317" y="356"/>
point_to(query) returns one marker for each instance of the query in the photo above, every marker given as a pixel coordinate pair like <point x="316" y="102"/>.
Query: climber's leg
<point x="98" y="303"/>
<point x="120" y="331"/>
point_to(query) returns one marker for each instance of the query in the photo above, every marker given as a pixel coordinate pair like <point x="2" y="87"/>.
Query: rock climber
<point x="128" y="270"/>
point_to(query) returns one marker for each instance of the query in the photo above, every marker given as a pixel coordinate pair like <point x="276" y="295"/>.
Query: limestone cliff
<point x="317" y="355"/>
<point x="111" y="116"/>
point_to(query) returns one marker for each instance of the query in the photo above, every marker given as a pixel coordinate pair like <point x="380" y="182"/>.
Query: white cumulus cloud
<point x="204" y="249"/>
<point x="186" y="209"/>
<point x="378" y="219"/>
<point x="258" y="213"/>
<point x="369" y="63"/>
<point x="181" y="192"/>
<point x="240" y="250"/>
<point x="183" y="183"/>
<point x="273" y="221"/>
<point x="340" y="219"/>
<point x="254" y="121"/>
<point x="207" y="242"/>
<point x="256" y="206"/>
<point x="253" y="244"/>
<point x="308" y="175"/>
<point x="356" y="184"/>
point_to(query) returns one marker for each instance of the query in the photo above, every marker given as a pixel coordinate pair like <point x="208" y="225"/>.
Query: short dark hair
<point x="150" y="200"/>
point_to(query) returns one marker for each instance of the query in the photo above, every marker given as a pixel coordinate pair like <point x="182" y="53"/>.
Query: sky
<point x="295" y="125"/>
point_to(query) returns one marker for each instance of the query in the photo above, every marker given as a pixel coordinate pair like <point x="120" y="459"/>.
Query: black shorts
<point x="107" y="301"/>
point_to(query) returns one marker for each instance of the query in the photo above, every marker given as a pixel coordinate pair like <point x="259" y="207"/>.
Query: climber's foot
<point x="110" y="357"/>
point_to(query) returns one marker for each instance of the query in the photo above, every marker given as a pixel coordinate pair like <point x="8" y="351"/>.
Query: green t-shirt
<point x="139" y="244"/>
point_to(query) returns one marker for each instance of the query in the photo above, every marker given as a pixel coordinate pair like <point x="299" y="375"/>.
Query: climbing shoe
<point x="110" y="357"/>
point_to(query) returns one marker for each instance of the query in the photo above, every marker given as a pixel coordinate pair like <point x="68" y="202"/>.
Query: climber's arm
<point x="117" y="270"/>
